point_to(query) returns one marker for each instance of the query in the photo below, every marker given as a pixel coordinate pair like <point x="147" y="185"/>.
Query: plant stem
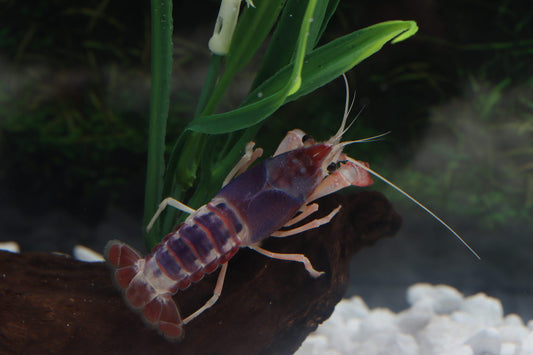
<point x="210" y="83"/>
<point x="159" y="103"/>
<point x="181" y="170"/>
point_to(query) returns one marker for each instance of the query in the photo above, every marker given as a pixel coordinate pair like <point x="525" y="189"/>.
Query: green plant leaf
<point x="283" y="43"/>
<point x="159" y="103"/>
<point x="253" y="27"/>
<point x="319" y="67"/>
<point x="330" y="10"/>
<point x="337" y="57"/>
<point x="282" y="46"/>
<point x="231" y="121"/>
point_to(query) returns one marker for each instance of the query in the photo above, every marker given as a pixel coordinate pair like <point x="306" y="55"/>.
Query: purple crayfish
<point x="252" y="205"/>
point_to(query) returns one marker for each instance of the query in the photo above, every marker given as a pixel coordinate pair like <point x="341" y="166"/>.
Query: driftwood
<point x="54" y="304"/>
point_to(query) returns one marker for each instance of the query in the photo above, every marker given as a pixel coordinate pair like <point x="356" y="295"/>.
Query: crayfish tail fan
<point x="124" y="261"/>
<point x="162" y="313"/>
<point x="157" y="308"/>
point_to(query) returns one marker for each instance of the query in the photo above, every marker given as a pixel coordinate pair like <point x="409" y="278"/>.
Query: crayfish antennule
<point x="347" y="109"/>
<point x="365" y="140"/>
<point x="347" y="106"/>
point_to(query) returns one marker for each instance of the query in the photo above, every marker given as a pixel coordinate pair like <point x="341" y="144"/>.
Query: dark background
<point x="457" y="98"/>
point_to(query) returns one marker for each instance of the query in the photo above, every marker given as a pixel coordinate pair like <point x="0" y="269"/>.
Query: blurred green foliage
<point x="199" y="162"/>
<point x="74" y="89"/>
<point x="476" y="159"/>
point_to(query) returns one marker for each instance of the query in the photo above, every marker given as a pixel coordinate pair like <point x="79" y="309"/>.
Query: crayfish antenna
<point x="347" y="108"/>
<point x="417" y="203"/>
<point x="336" y="139"/>
<point x="365" y="140"/>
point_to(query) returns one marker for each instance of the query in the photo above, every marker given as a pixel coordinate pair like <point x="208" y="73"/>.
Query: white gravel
<point x="440" y="321"/>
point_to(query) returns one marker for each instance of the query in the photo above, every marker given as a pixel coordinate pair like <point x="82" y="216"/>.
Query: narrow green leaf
<point x="233" y="120"/>
<point x="229" y="122"/>
<point x="314" y="31"/>
<point x="253" y="27"/>
<point x="319" y="67"/>
<point x="159" y="103"/>
<point x="332" y="7"/>
<point x="282" y="46"/>
<point x="337" y="57"/>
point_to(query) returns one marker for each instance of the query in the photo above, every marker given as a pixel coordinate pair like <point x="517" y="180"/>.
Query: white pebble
<point x="485" y="342"/>
<point x="439" y="322"/>
<point x="354" y="307"/>
<point x="340" y="329"/>
<point x="379" y="321"/>
<point x="388" y="343"/>
<point x="412" y="320"/>
<point x="444" y="299"/>
<point x="12" y="247"/>
<point x="441" y="334"/>
<point x="513" y="333"/>
<point x="508" y="349"/>
<point x="85" y="254"/>
<point x="457" y="350"/>
<point x="527" y="345"/>
<point x="483" y="309"/>
<point x="313" y="345"/>
<point x="513" y="319"/>
<point x="353" y="326"/>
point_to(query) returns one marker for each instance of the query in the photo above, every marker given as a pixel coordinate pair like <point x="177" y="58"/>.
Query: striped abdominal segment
<point x="206" y="239"/>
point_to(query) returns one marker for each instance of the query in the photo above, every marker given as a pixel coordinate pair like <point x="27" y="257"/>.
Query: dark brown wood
<point x="54" y="304"/>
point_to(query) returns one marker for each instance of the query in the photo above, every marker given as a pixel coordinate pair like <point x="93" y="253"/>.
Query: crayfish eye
<point x="332" y="167"/>
<point x="307" y="139"/>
